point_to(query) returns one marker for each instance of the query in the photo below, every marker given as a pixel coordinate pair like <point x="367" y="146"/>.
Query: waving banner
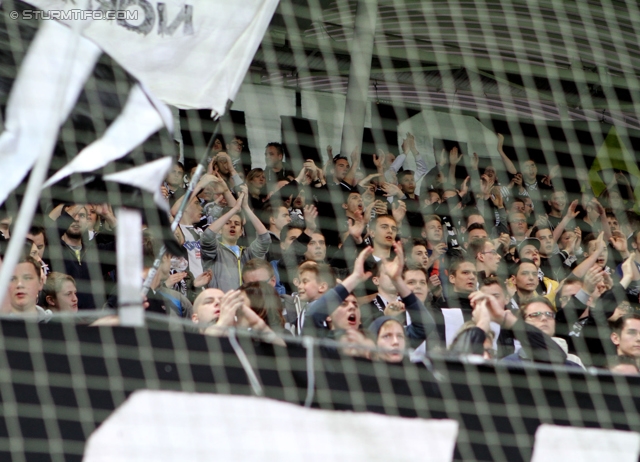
<point x="192" y="54"/>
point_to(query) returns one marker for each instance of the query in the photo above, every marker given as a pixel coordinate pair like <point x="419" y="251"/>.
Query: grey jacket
<point x="225" y="266"/>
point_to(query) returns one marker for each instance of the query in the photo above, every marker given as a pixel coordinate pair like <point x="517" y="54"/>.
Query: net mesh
<point x="559" y="80"/>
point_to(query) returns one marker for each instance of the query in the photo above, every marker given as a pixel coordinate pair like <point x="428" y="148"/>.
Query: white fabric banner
<point x="174" y="426"/>
<point x="555" y="442"/>
<point x="142" y="116"/>
<point x="453" y="321"/>
<point x="192" y="54"/>
<point x="49" y="81"/>
<point x="148" y="177"/>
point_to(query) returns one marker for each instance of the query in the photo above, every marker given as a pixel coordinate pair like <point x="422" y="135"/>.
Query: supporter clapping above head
<point x="222" y="253"/>
<point x="310" y="245"/>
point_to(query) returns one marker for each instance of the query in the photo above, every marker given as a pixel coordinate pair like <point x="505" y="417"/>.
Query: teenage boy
<point x="222" y="253"/>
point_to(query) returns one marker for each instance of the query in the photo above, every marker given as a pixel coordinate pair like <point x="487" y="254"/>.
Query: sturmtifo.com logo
<point x="75" y="15"/>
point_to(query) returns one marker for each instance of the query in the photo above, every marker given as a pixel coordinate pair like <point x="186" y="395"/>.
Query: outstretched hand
<point x="394" y="267"/>
<point x="378" y="160"/>
<point x="355" y="156"/>
<point x="399" y="210"/>
<point x="496" y="311"/>
<point x="571" y="211"/>
<point x="629" y="270"/>
<point x="310" y="214"/>
<point x="454" y="156"/>
<point x="359" y="274"/>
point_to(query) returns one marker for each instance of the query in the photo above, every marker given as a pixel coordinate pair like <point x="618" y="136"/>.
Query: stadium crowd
<point x="494" y="260"/>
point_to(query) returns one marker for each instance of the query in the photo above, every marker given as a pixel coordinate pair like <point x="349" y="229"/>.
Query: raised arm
<point x="580" y="270"/>
<point x="422" y="323"/>
<point x="603" y="220"/>
<point x="507" y="162"/>
<point x="255" y="221"/>
<point x="318" y="311"/>
<point x="570" y="215"/>
<point x="217" y="225"/>
<point x="454" y="158"/>
<point x="350" y="177"/>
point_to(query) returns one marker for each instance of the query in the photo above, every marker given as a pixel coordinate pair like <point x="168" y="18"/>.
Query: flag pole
<point x="202" y="165"/>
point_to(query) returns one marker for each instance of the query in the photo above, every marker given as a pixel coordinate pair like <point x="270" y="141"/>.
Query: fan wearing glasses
<point x="540" y="313"/>
<point x="486" y="256"/>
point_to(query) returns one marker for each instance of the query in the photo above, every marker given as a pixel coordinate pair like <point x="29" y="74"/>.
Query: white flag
<point x="141" y="117"/>
<point x="148" y="177"/>
<point x="49" y="81"/>
<point x="192" y="54"/>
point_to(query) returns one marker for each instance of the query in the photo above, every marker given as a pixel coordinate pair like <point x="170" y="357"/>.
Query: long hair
<point x="265" y="302"/>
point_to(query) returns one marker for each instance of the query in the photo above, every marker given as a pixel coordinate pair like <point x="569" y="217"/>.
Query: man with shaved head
<point x="206" y="308"/>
